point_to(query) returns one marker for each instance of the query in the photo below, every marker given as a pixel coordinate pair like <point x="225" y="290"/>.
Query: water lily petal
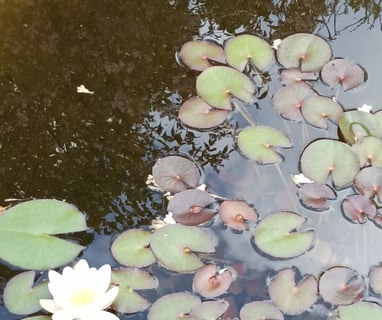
<point x="100" y="315"/>
<point x="49" y="305"/>
<point x="108" y="298"/>
<point x="103" y="278"/>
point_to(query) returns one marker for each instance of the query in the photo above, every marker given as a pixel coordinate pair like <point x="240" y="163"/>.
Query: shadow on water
<point x="96" y="149"/>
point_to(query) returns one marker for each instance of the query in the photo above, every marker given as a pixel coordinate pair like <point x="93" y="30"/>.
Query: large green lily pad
<point x="369" y="151"/>
<point x="27" y="234"/>
<point x="360" y="310"/>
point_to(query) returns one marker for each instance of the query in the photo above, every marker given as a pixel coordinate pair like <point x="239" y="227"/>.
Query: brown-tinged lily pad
<point x="344" y="72"/>
<point x="317" y="109"/>
<point x="258" y="142"/>
<point x="288" y="100"/>
<point x="304" y="50"/>
<point x="189" y="207"/>
<point x="248" y="48"/>
<point x="368" y="182"/>
<point x="260" y="310"/>
<point x="131" y="248"/>
<point x="294" y="75"/>
<point x="196" y="113"/>
<point x="198" y="54"/>
<point x="369" y="151"/>
<point x="290" y="297"/>
<point x="275" y="235"/>
<point x="175" y="174"/>
<point x="357" y="208"/>
<point x="324" y="157"/>
<point x="360" y="310"/>
<point x="176" y="247"/>
<point x="210" y="281"/>
<point x="341" y="285"/>
<point x="235" y="214"/>
<point x="216" y="86"/>
<point x="375" y="277"/>
<point x="314" y="196"/>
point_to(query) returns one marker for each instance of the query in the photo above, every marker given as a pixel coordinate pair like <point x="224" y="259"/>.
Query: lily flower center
<point x="82" y="297"/>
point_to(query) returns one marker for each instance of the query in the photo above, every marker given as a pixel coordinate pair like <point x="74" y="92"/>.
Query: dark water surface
<point x="96" y="150"/>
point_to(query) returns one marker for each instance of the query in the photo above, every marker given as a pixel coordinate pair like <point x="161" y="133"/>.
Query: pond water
<point x="96" y="149"/>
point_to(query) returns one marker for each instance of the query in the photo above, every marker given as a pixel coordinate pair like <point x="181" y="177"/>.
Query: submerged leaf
<point x="260" y="310"/>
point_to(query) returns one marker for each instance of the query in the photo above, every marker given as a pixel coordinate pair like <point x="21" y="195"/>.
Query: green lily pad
<point x="324" y="157"/>
<point x="209" y="310"/>
<point x="304" y="50"/>
<point x="369" y="151"/>
<point x="176" y="247"/>
<point x="129" y="280"/>
<point x="198" y="53"/>
<point x="360" y="310"/>
<point x="27" y="234"/>
<point x="257" y="144"/>
<point x="260" y="310"/>
<point x="273" y="235"/>
<point x="317" y="109"/>
<point x="216" y="86"/>
<point x="38" y="318"/>
<point x="248" y="48"/>
<point x="20" y="297"/>
<point x="174" y="306"/>
<point x="131" y="248"/>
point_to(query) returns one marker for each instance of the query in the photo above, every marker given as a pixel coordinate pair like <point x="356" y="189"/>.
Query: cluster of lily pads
<point x="183" y="243"/>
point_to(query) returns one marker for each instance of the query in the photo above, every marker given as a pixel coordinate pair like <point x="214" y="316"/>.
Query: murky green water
<point x="96" y="150"/>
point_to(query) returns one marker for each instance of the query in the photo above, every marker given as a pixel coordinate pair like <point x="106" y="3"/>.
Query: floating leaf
<point x="198" y="53"/>
<point x="290" y="297"/>
<point x="304" y="50"/>
<point x="375" y="277"/>
<point x="38" y="318"/>
<point x="288" y="100"/>
<point x="175" y="247"/>
<point x="173" y="306"/>
<point x="248" y="48"/>
<point x="368" y="182"/>
<point x="357" y="207"/>
<point x="360" y="310"/>
<point x="189" y="207"/>
<point x="210" y="281"/>
<point x="256" y="143"/>
<point x="209" y="310"/>
<point x="235" y="214"/>
<point x="195" y="113"/>
<point x="260" y="310"/>
<point x="314" y="195"/>
<point x="369" y="151"/>
<point x="344" y="72"/>
<point x="294" y="75"/>
<point x="20" y="297"/>
<point x="341" y="286"/>
<point x="317" y="109"/>
<point x="130" y="248"/>
<point x="129" y="280"/>
<point x="273" y="235"/>
<point x="27" y="229"/>
<point x="324" y="157"/>
<point x="175" y="174"/>
<point x="216" y="85"/>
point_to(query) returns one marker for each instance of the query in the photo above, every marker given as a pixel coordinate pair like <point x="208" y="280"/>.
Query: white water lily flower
<point x="81" y="293"/>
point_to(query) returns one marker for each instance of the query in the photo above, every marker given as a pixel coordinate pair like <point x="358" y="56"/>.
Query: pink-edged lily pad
<point x="188" y="207"/>
<point x="324" y="157"/>
<point x="260" y="310"/>
<point x="210" y="281"/>
<point x="198" y="54"/>
<point x="369" y="151"/>
<point x="175" y="174"/>
<point x="294" y="75"/>
<point x="375" y="277"/>
<point x="344" y="72"/>
<point x="378" y="218"/>
<point x="360" y="310"/>
<point x="176" y="247"/>
<point x="317" y="109"/>
<point x="341" y="285"/>
<point x="247" y="48"/>
<point x="129" y="280"/>
<point x="368" y="182"/>
<point x="290" y="297"/>
<point x="304" y="50"/>
<point x="196" y="113"/>
<point x="210" y="309"/>
<point x="216" y="86"/>
<point x="356" y="208"/>
<point x="131" y="248"/>
<point x="275" y="237"/>
<point x="235" y="214"/>
<point x="173" y="306"/>
<point x="314" y="196"/>
<point x="288" y="100"/>
<point x="257" y="144"/>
